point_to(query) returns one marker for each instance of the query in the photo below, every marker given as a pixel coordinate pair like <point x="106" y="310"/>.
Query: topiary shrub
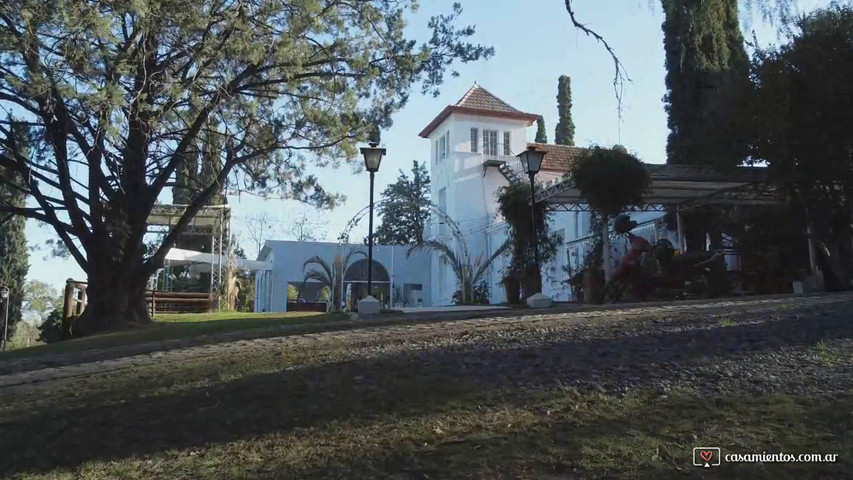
<point x="610" y="180"/>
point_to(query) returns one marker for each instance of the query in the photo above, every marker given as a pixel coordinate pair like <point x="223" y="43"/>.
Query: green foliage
<point x="14" y="256"/>
<point x="706" y="72"/>
<point x="801" y="117"/>
<point x="610" y="180"/>
<point x="468" y="271"/>
<point x="479" y="297"/>
<point x="404" y="209"/>
<point x="565" y="131"/>
<point x="330" y="275"/>
<point x="514" y="207"/>
<point x="541" y="133"/>
<point x="53" y="328"/>
<point x="39" y="300"/>
<point x="123" y="97"/>
<point x="24" y="335"/>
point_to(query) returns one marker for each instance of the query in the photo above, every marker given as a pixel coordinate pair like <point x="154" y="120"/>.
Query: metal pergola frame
<point x="683" y="187"/>
<point x="213" y="221"/>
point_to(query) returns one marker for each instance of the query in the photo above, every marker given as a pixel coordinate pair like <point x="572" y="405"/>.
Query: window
<point x="490" y="142"/>
<point x="447" y="144"/>
<point x="442" y="145"/>
<point x="475" y="137"/>
<point x="436" y="153"/>
<point x="507" y="149"/>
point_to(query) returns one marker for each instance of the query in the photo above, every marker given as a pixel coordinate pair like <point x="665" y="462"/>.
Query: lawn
<point x="511" y="401"/>
<point x="178" y="327"/>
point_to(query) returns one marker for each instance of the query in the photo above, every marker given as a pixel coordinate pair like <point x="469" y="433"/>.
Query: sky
<point x="534" y="44"/>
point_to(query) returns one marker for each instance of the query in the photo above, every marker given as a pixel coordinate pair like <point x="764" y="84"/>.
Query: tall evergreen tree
<point x="707" y="69"/>
<point x="405" y="208"/>
<point x="565" y="132"/>
<point x="14" y="256"/>
<point x="541" y="134"/>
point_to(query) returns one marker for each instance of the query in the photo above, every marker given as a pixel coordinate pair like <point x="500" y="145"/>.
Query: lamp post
<point x="531" y="161"/>
<point x="4" y="294"/>
<point x="372" y="158"/>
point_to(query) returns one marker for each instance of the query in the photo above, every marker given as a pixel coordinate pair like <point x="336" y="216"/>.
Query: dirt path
<point x="410" y="330"/>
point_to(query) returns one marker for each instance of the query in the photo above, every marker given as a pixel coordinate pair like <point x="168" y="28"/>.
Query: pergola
<point x="212" y="221"/>
<point x="683" y="187"/>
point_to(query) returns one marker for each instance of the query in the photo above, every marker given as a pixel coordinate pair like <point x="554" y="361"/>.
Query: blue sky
<point x="535" y="44"/>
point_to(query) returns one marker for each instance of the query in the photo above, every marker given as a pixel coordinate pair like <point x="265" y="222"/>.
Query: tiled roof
<point x="481" y="99"/>
<point x="558" y="157"/>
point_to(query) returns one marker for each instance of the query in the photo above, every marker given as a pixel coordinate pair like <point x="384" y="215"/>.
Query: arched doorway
<point x="355" y="284"/>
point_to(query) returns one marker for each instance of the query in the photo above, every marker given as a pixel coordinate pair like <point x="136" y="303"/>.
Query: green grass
<point x="311" y="412"/>
<point x="177" y="327"/>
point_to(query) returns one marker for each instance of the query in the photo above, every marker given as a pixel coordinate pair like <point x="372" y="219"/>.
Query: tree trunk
<point x="116" y="299"/>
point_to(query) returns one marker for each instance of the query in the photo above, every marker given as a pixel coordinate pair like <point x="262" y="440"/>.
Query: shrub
<point x="52" y="329"/>
<point x="481" y="295"/>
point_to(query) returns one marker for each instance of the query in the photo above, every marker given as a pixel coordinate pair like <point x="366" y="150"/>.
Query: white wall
<point x="289" y="257"/>
<point x="470" y="188"/>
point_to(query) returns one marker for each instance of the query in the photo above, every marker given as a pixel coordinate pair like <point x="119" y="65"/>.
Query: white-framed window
<point x="490" y="142"/>
<point x="475" y="140"/>
<point x="436" y="155"/>
<point x="507" y="149"/>
<point x="447" y="144"/>
<point x="442" y="145"/>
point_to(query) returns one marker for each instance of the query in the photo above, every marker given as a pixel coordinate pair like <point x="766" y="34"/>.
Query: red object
<point x="639" y="245"/>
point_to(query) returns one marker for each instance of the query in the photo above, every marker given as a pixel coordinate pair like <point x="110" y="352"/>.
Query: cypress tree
<point x="565" y="132"/>
<point x="541" y="135"/>
<point x="14" y="256"/>
<point x="707" y="70"/>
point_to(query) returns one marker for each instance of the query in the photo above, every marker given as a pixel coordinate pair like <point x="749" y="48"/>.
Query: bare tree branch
<point x="621" y="75"/>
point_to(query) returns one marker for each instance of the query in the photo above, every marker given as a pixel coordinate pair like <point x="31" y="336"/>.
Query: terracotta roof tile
<point x="558" y="157"/>
<point x="481" y="99"/>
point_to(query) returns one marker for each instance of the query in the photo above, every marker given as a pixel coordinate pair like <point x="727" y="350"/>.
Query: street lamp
<point x="531" y="161"/>
<point x="4" y="294"/>
<point x="372" y="158"/>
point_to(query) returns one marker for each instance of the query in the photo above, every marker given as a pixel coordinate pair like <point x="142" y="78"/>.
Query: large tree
<point x="706" y="72"/>
<point x="14" y="256"/>
<point x="565" y="131"/>
<point x="404" y="209"/>
<point x="119" y="92"/>
<point x="801" y="120"/>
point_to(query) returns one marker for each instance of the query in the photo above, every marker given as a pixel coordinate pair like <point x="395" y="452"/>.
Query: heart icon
<point x="706" y="455"/>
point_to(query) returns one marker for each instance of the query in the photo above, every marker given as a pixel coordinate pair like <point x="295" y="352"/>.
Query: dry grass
<point x="308" y="413"/>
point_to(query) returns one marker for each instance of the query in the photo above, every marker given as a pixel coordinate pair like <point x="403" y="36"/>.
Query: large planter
<point x="512" y="287"/>
<point x="593" y="285"/>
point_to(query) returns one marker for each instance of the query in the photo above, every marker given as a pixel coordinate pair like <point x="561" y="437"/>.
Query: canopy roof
<point x="685" y="186"/>
<point x="168" y="215"/>
<point x="179" y="256"/>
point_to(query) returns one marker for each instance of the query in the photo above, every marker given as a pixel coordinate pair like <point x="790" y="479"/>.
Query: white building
<point x="474" y="144"/>
<point x="399" y="279"/>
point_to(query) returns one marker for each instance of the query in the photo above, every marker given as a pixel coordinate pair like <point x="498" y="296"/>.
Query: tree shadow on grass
<point x="405" y="384"/>
<point x="646" y="443"/>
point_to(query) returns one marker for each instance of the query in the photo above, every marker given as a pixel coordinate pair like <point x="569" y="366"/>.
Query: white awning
<point x="179" y="257"/>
